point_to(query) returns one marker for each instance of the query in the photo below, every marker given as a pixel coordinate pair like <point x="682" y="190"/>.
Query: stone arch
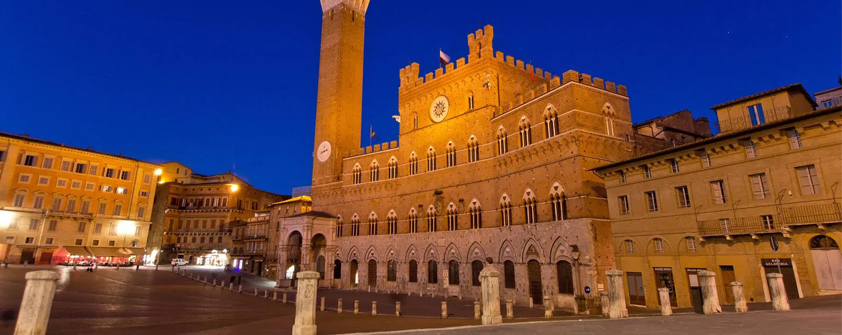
<point x="411" y="253"/>
<point x="608" y="110"/>
<point x="650" y="246"/>
<point x="532" y="250"/>
<point x="561" y="250"/>
<point x="507" y="252"/>
<point x="475" y="253"/>
<point x="528" y="194"/>
<point x="431" y="254"/>
<point x="556" y="189"/>
<point x="353" y="254"/>
<point x="391" y="253"/>
<point x="452" y="253"/>
<point x="371" y="254"/>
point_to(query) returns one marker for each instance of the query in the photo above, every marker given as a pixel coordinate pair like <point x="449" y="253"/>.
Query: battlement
<point x="480" y="46"/>
<point x="373" y="148"/>
<point x="566" y="77"/>
<point x="360" y="6"/>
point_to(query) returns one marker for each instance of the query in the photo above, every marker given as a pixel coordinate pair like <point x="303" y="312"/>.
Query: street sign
<point x="587" y="290"/>
<point x="773" y="242"/>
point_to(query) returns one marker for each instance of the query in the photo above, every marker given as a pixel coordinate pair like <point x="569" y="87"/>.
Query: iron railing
<point x="786" y="218"/>
<point x="739" y="226"/>
<point x="812" y="214"/>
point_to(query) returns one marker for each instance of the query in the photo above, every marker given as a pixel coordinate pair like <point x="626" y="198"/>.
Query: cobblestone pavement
<point x="126" y="301"/>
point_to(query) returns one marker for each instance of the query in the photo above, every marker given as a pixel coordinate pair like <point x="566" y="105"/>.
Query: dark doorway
<point x="771" y="266"/>
<point x="46" y="257"/>
<point x="372" y="273"/>
<point x="27" y="256"/>
<point x="663" y="278"/>
<point x="337" y="269"/>
<point x="535" y="288"/>
<point x="728" y="276"/>
<point x="354" y="273"/>
<point x="637" y="296"/>
<point x="453" y="275"/>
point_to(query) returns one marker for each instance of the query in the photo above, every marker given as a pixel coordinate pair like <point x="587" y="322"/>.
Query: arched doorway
<point x="564" y="273"/>
<point x="354" y="274"/>
<point x="320" y="266"/>
<point x="372" y="273"/>
<point x="533" y="268"/>
<point x="317" y="251"/>
<point x="293" y="263"/>
<point x="337" y="269"/>
<point x="827" y="262"/>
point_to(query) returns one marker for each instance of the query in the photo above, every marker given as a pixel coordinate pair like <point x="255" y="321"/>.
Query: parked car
<point x="179" y="262"/>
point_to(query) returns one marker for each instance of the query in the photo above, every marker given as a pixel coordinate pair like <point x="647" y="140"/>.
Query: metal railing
<point x="786" y="218"/>
<point x="744" y="121"/>
<point x="738" y="226"/>
<point x="812" y="214"/>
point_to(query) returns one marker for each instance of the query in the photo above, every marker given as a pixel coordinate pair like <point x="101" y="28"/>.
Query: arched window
<point x="392" y="271"/>
<point x="530" y="207"/>
<point x="690" y="242"/>
<point x="431" y="219"/>
<point x="509" y="273"/>
<point x="502" y="141"/>
<point x="470" y="101"/>
<point x="414" y="121"/>
<point x="476" y="268"/>
<point x="476" y="214"/>
<point x="453" y="270"/>
<point x="372" y="273"/>
<point x="432" y="272"/>
<point x="505" y="210"/>
<point x="413" y="221"/>
<point x="659" y="244"/>
<point x="473" y="149"/>
<point x="372" y="224"/>
<point x="629" y="244"/>
<point x="558" y="202"/>
<point x="337" y="269"/>
<point x="355" y="225"/>
<point x="413" y="271"/>
<point x="823" y="242"/>
<point x="374" y="169"/>
<point x="564" y="273"/>
<point x="550" y="121"/>
<point x="392" y="223"/>
<point x="450" y="154"/>
<point x="525" y="129"/>
<point x="358" y="174"/>
<point x="431" y="159"/>
<point x="608" y="112"/>
<point x="413" y="163"/>
<point x="339" y="226"/>
<point x="452" y="220"/>
<point x="393" y="168"/>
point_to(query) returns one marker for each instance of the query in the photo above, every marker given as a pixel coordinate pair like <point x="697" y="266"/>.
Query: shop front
<point x="114" y="256"/>
<point x="214" y="258"/>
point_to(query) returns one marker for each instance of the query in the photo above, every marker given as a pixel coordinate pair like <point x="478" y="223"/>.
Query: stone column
<point x="490" y="279"/>
<point x="374" y="308"/>
<point x="510" y="312"/>
<point x="37" y="303"/>
<point x="616" y="295"/>
<point x="305" y="303"/>
<point x="603" y="296"/>
<point x="444" y="309"/>
<point x="477" y="311"/>
<point x="780" y="302"/>
<point x="740" y="305"/>
<point x="707" y="281"/>
<point x="281" y="273"/>
<point x="305" y="260"/>
<point x="664" y="295"/>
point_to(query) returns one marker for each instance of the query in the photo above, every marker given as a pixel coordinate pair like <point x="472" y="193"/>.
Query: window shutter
<point x="804" y="180"/>
<point x="757" y="186"/>
<point x="717" y="191"/>
<point x="814" y="179"/>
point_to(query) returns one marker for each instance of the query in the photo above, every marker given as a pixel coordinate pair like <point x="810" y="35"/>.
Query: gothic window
<point x="450" y="153"/>
<point x="339" y="226"/>
<point x="358" y="174"/>
<point x="392" y="223"/>
<point x="431" y="159"/>
<point x="413" y="271"/>
<point x="530" y="207"/>
<point x="413" y="221"/>
<point x="610" y="114"/>
<point x="470" y="101"/>
<point x="393" y="168"/>
<point x="452" y="214"/>
<point x="391" y="271"/>
<point x="374" y="171"/>
<point x="558" y="202"/>
<point x="473" y="149"/>
<point x="453" y="268"/>
<point x="431" y="219"/>
<point x="525" y="129"/>
<point x="564" y="273"/>
<point x="502" y="141"/>
<point x="550" y="121"/>
<point x="372" y="224"/>
<point x="476" y="215"/>
<point x="355" y="225"/>
<point x="476" y="268"/>
<point x="509" y="274"/>
<point x="432" y="272"/>
<point x="413" y="164"/>
<point x="506" y="210"/>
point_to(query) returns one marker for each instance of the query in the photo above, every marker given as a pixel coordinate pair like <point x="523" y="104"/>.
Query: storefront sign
<point x="773" y="262"/>
<point x="662" y="268"/>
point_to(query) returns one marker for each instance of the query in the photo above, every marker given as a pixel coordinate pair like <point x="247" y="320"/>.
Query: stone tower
<point x="339" y="102"/>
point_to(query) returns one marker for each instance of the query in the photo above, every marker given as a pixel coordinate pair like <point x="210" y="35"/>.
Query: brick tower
<point x="339" y="102"/>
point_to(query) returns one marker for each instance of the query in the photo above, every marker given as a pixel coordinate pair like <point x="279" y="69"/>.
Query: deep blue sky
<point x="212" y="84"/>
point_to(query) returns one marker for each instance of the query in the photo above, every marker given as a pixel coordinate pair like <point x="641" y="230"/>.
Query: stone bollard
<point x="231" y="286"/>
<point x="707" y="280"/>
<point x="305" y="303"/>
<point x="373" y="308"/>
<point x="74" y="267"/>
<point x="616" y="295"/>
<point x="25" y="264"/>
<point x="510" y="309"/>
<point x="397" y="308"/>
<point x="356" y="307"/>
<point x="240" y="289"/>
<point x="115" y="269"/>
<point x="477" y="310"/>
<point x="339" y="306"/>
<point x="548" y="307"/>
<point x="490" y="284"/>
<point x="777" y="291"/>
<point x="322" y="304"/>
<point x="222" y="285"/>
<point x="265" y="294"/>
<point x="214" y="282"/>
<point x="740" y="305"/>
<point x="37" y="303"/>
<point x="444" y="309"/>
<point x="255" y="291"/>
<point x="603" y="296"/>
<point x="664" y="295"/>
<point x="275" y="296"/>
<point x="531" y="303"/>
<point x="284" y="298"/>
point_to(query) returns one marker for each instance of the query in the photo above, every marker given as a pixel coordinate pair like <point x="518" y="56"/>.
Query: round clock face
<point x="323" y="152"/>
<point x="439" y="108"/>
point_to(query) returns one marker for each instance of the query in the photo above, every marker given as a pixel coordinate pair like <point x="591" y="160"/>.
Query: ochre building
<point x="716" y="204"/>
<point x="492" y="164"/>
<point x="60" y="203"/>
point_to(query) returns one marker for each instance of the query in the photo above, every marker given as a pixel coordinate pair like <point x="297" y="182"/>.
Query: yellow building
<point x="715" y="204"/>
<point x="195" y="214"/>
<point x="62" y="204"/>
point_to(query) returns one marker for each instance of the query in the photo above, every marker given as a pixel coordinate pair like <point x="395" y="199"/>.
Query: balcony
<point x="74" y="215"/>
<point x="744" y="121"/>
<point x="786" y="219"/>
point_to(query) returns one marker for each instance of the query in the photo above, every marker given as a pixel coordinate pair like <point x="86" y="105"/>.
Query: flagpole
<point x="370" y="129"/>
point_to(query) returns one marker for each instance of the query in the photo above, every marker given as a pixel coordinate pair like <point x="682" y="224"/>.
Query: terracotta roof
<point x="317" y="214"/>
<point x="737" y="134"/>
<point x="795" y="86"/>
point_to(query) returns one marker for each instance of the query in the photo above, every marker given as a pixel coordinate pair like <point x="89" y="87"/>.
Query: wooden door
<point x="728" y="276"/>
<point x="637" y="295"/>
<point x="535" y="287"/>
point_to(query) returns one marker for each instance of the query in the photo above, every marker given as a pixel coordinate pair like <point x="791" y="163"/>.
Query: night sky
<point x="219" y="84"/>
